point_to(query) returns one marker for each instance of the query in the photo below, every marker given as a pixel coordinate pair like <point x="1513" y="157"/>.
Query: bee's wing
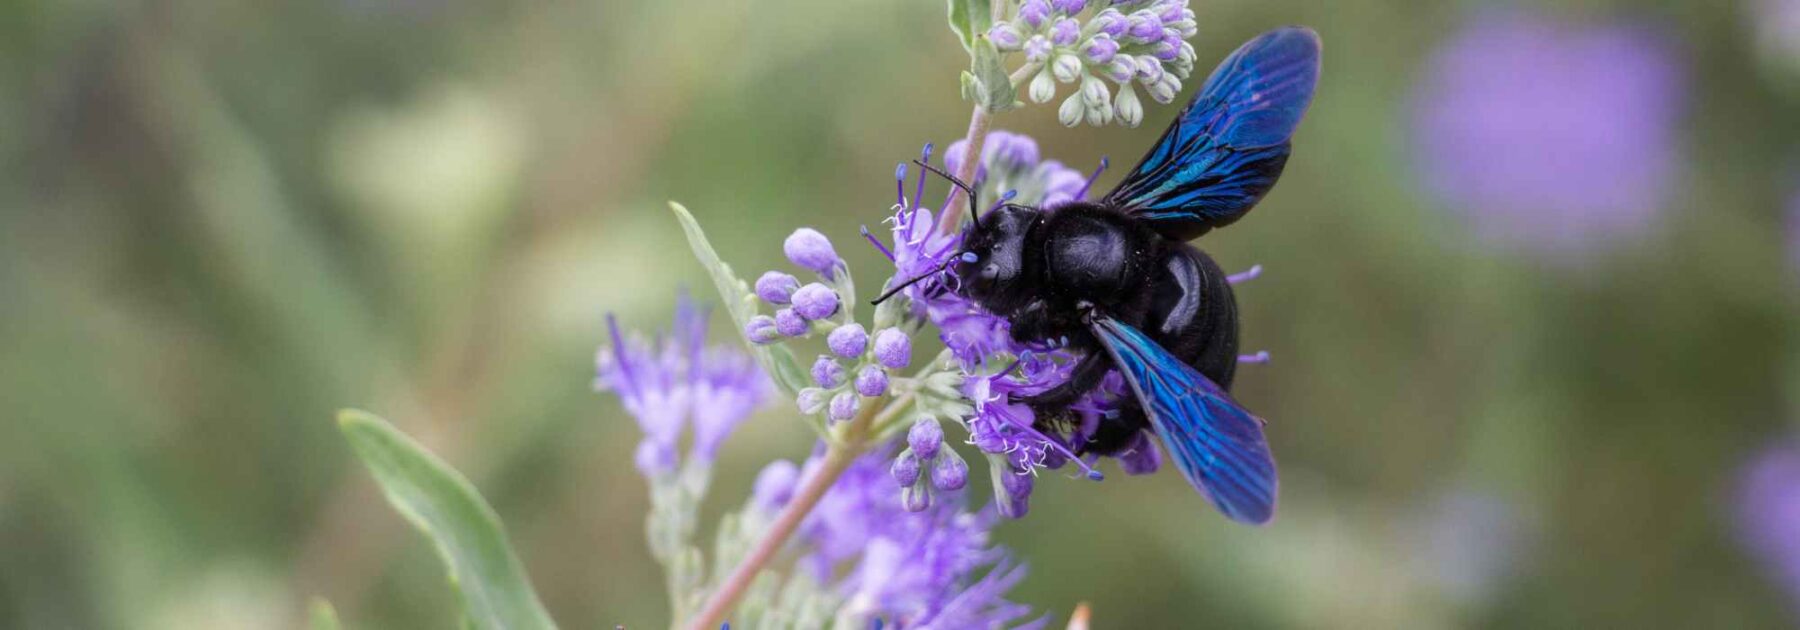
<point x="1225" y="150"/>
<point x="1215" y="442"/>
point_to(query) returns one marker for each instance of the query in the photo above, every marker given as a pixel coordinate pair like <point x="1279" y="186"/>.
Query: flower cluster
<point x="910" y="568"/>
<point x="857" y="365"/>
<point x="996" y="368"/>
<point x="1769" y="512"/>
<point x="676" y="379"/>
<point x="1091" y="43"/>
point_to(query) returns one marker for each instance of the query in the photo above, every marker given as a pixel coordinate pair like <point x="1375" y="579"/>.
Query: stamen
<point x="877" y="242"/>
<point x="612" y="327"/>
<point x="919" y="192"/>
<point x="1010" y="194"/>
<point x="1261" y="356"/>
<point x="1082" y="194"/>
<point x="900" y="184"/>
<point x="1247" y="275"/>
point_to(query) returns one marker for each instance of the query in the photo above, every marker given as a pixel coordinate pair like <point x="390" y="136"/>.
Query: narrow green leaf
<point x="441" y="503"/>
<point x="997" y="93"/>
<point x="970" y="19"/>
<point x="777" y="360"/>
<point x="323" y="616"/>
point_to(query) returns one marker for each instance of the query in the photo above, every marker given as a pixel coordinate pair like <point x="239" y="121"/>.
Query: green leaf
<point x="441" y="503"/>
<point x="970" y="19"/>
<point x="996" y="92"/>
<point x="777" y="360"/>
<point x="323" y="616"/>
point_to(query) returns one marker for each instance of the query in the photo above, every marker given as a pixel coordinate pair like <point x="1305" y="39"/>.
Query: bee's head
<point x="992" y="259"/>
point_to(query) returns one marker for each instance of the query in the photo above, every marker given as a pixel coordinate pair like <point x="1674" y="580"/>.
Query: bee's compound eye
<point x="969" y="257"/>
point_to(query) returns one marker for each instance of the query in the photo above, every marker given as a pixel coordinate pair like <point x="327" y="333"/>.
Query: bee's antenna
<point x="974" y="199"/>
<point x="896" y="290"/>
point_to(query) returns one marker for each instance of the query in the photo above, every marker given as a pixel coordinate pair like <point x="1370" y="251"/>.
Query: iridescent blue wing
<point x="1225" y="150"/>
<point x="1215" y="442"/>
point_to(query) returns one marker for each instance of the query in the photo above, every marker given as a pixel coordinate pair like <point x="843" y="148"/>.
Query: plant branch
<point x="979" y="122"/>
<point x="838" y="456"/>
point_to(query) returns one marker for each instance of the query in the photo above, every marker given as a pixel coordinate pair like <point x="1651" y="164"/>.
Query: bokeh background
<point x="1530" y="292"/>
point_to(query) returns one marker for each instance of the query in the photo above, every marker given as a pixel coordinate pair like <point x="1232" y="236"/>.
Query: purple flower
<point x="906" y="468"/>
<point x="664" y="384"/>
<point x="949" y="472"/>
<point x="1006" y="37"/>
<point x="848" y="341"/>
<point x="1006" y="151"/>
<point x="815" y="301"/>
<point x="1068" y="7"/>
<point x="1065" y="32"/>
<point x="1015" y="492"/>
<point x="1768" y="513"/>
<point x="1145" y="26"/>
<point x="934" y="568"/>
<point x="1550" y="137"/>
<point x="893" y="348"/>
<point x="761" y="330"/>
<point x="775" y="485"/>
<point x="776" y="288"/>
<point x="1036" y="49"/>
<point x="925" y="436"/>
<point x="1100" y="49"/>
<point x="809" y="249"/>
<point x="843" y="407"/>
<point x="1034" y="12"/>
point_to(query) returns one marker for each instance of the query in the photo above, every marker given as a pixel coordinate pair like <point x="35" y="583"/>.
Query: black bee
<point x="1116" y="280"/>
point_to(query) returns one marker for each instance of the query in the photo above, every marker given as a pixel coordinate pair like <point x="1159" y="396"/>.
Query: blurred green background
<point x="220" y="222"/>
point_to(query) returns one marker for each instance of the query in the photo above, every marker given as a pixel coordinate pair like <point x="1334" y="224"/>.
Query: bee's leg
<point x="1085" y="377"/>
<point x="1032" y="323"/>
<point x="1117" y="431"/>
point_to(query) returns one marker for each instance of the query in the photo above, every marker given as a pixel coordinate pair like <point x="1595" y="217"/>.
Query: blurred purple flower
<point x="1777" y="25"/>
<point x="1550" y="137"/>
<point x="1769" y="513"/>
<point x="934" y="568"/>
<point x="665" y="383"/>
<point x="1471" y="543"/>
<point x="1793" y="232"/>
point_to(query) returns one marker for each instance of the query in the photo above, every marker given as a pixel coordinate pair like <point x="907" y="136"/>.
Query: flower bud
<point x="1071" y="111"/>
<point x="1064" y="32"/>
<point x="815" y="301"/>
<point x="776" y="288"/>
<point x="1122" y="68"/>
<point x="1097" y="116"/>
<point x="1149" y="70"/>
<point x="843" y="407"/>
<point x="893" y="348"/>
<point x="654" y="458"/>
<point x="809" y="249"/>
<point x="775" y="485"/>
<point x="761" y="330"/>
<point x="1111" y="22"/>
<point x="1094" y="93"/>
<point x="1164" y="90"/>
<point x="848" y="341"/>
<point x="1067" y="68"/>
<point x="871" y="381"/>
<point x="925" y="436"/>
<point x="827" y="372"/>
<point x="1006" y="37"/>
<point x="810" y="400"/>
<point x="949" y="472"/>
<point x="1068" y="7"/>
<point x="1009" y="151"/>
<point x="1100" y="49"/>
<point x="1013" y="492"/>
<point x="1145" y="26"/>
<point x="1034" y="12"/>
<point x="915" y="498"/>
<point x="1037" y="48"/>
<point x="1128" y="107"/>
<point x="1043" y="87"/>
<point x="790" y="323"/>
<point x="1166" y="51"/>
<point x="906" y="468"/>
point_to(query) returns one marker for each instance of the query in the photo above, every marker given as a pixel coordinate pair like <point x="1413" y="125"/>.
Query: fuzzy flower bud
<point x="925" y="436"/>
<point x="906" y="468"/>
<point x="1164" y="91"/>
<point x="915" y="498"/>
<point x="1034" y="12"/>
<point x="949" y="472"/>
<point x="1067" y="68"/>
<point x="893" y="348"/>
<point x="776" y="288"/>
<point x="815" y="301"/>
<point x="1121" y="69"/>
<point x="1100" y="49"/>
<point x="1006" y="37"/>
<point x="827" y="372"/>
<point x="1043" y="87"/>
<point x="1094" y="93"/>
<point x="654" y="459"/>
<point x="809" y="249"/>
<point x="1145" y="26"/>
<point x="843" y="407"/>
<point x="1065" y="32"/>
<point x="1037" y="48"/>
<point x="1149" y="70"/>
<point x="775" y="485"/>
<point x="761" y="330"/>
<point x="1071" y="111"/>
<point x="790" y="323"/>
<point x="1068" y="7"/>
<point x="871" y="381"/>
<point x="1129" y="108"/>
<point x="1013" y="492"/>
<point x="848" y="341"/>
<point x="1111" y="22"/>
<point x="1009" y="151"/>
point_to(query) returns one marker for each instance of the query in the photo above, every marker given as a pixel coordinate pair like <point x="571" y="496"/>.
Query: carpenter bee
<point x="1116" y="281"/>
